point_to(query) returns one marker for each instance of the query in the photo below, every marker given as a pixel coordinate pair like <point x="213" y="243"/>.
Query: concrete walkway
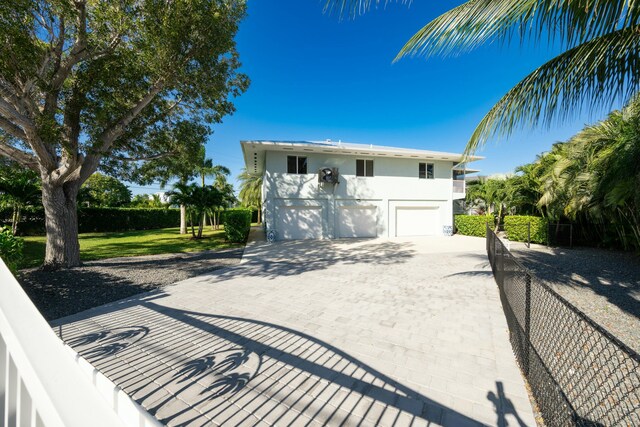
<point x="351" y="332"/>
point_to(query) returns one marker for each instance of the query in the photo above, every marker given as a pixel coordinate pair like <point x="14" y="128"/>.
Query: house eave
<point x="254" y="150"/>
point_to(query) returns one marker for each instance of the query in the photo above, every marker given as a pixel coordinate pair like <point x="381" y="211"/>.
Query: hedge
<point x="237" y="223"/>
<point x="123" y="219"/>
<point x="100" y="219"/>
<point x="10" y="249"/>
<point x="473" y="225"/>
<point x="516" y="228"/>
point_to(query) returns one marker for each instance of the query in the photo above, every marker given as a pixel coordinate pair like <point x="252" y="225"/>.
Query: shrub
<point x="124" y="219"/>
<point x="473" y="225"/>
<point x="101" y="219"/>
<point x="10" y="248"/>
<point x="516" y="228"/>
<point x="237" y="223"/>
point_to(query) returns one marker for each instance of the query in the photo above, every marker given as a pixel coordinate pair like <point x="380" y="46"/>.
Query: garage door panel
<point x="299" y="222"/>
<point x="417" y="221"/>
<point x="357" y="221"/>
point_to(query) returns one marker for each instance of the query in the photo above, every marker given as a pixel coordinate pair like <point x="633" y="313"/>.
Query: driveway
<point x="349" y="332"/>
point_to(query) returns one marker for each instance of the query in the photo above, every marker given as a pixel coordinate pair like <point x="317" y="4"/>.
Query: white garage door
<point x="299" y="222"/>
<point x="357" y="221"/>
<point x="417" y="221"/>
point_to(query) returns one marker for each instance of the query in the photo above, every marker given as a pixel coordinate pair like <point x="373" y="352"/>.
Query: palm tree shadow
<point x="227" y="384"/>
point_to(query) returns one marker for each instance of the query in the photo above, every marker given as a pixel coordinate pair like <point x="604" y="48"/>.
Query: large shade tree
<point x="600" y="62"/>
<point x="85" y="82"/>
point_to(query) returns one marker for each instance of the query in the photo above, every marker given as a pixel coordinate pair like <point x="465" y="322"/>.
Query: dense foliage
<point x="199" y="202"/>
<point x="19" y="190"/>
<point x="590" y="180"/>
<point x="251" y="191"/>
<point x="10" y="248"/>
<point x="473" y="225"/>
<point x="517" y="228"/>
<point x="103" y="191"/>
<point x="237" y="224"/>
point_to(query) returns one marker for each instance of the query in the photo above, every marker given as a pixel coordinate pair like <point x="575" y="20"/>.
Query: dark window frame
<point x="364" y="168"/>
<point x="299" y="164"/>
<point x="422" y="170"/>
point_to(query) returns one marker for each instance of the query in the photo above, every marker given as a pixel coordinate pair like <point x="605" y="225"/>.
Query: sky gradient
<point x="315" y="76"/>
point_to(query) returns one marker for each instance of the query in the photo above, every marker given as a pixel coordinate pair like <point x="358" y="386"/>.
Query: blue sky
<point x="316" y="76"/>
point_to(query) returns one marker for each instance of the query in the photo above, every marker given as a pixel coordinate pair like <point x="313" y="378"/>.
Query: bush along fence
<point x="472" y="225"/>
<point x="578" y="372"/>
<point x="530" y="229"/>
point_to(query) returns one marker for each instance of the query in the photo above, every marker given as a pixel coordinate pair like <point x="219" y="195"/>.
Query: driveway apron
<point x="390" y="332"/>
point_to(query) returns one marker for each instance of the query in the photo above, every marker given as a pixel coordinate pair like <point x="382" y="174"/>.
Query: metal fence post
<point x="527" y="321"/>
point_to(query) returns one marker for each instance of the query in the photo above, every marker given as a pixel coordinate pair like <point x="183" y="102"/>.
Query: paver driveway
<point x="351" y="332"/>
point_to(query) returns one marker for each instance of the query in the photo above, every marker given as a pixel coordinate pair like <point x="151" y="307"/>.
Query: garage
<point x="357" y="221"/>
<point x="299" y="222"/>
<point x="417" y="221"/>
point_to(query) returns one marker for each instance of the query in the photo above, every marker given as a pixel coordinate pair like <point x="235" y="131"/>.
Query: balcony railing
<point x="458" y="186"/>
<point x="43" y="382"/>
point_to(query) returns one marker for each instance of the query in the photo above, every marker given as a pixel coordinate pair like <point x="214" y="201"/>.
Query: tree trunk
<point x="61" y="222"/>
<point x="201" y="225"/>
<point x="193" y="232"/>
<point x="14" y="219"/>
<point x="183" y="219"/>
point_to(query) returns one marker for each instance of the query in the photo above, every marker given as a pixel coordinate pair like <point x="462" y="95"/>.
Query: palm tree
<point x="19" y="188"/>
<point x="198" y="201"/>
<point x="205" y="168"/>
<point x="600" y="62"/>
<point x="251" y="191"/>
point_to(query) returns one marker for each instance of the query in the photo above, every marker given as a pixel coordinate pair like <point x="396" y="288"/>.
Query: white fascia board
<point x="351" y="150"/>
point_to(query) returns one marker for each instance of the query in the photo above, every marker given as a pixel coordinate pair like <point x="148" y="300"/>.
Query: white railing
<point x="458" y="186"/>
<point x="45" y="383"/>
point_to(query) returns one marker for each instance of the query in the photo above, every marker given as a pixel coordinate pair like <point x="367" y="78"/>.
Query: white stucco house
<point x="320" y="190"/>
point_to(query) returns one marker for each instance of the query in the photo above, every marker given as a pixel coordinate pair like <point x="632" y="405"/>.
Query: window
<point x="425" y="170"/>
<point x="364" y="167"/>
<point x="296" y="164"/>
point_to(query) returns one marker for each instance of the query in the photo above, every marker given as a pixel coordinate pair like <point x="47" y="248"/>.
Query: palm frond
<point x="595" y="73"/>
<point x="477" y="22"/>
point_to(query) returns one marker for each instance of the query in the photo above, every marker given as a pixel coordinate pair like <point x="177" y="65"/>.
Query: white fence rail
<point x="45" y="383"/>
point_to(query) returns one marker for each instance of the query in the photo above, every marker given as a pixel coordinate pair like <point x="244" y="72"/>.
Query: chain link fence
<point x="578" y="372"/>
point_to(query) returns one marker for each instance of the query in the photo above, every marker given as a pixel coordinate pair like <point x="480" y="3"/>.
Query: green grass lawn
<point x="130" y="243"/>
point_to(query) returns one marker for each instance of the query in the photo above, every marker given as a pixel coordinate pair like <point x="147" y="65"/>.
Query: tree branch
<point x="12" y="129"/>
<point x="137" y="159"/>
<point x="8" y="111"/>
<point x="23" y="158"/>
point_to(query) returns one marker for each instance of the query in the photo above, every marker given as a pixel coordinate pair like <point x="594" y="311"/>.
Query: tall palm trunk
<point x="183" y="219"/>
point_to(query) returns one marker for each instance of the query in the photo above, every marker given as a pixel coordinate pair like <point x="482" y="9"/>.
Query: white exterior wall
<point x="395" y="184"/>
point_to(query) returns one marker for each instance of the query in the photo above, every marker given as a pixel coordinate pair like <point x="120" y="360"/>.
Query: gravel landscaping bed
<point x="65" y="292"/>
<point x="605" y="285"/>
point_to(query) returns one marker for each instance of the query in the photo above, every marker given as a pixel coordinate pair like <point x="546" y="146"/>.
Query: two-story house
<point x="316" y="190"/>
